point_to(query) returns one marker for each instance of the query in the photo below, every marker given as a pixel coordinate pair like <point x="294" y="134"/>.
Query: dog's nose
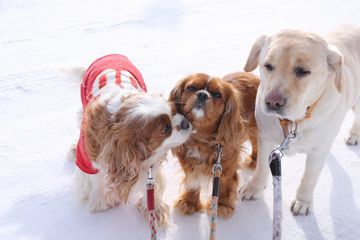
<point x="185" y="124"/>
<point x="202" y="96"/>
<point x="275" y="100"/>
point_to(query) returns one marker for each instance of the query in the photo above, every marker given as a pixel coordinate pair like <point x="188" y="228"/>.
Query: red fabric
<point x="118" y="63"/>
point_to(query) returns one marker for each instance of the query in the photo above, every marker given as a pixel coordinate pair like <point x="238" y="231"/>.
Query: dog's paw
<point x="162" y="215"/>
<point x="98" y="205"/>
<point x="223" y="210"/>
<point x="187" y="207"/>
<point x="250" y="191"/>
<point x="353" y="139"/>
<point x="300" y="208"/>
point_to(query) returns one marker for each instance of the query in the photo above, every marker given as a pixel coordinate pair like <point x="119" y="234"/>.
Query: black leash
<point x="216" y="170"/>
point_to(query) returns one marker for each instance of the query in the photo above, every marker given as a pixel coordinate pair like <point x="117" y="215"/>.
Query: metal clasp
<point x="219" y="155"/>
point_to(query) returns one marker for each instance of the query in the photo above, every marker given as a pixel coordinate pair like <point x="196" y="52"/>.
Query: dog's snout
<point x="275" y="100"/>
<point x="202" y="96"/>
<point x="185" y="124"/>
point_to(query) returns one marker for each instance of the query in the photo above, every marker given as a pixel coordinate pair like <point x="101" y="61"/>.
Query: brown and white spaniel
<point x="221" y="111"/>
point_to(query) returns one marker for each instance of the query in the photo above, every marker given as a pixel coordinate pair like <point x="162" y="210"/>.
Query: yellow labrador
<point x="300" y="70"/>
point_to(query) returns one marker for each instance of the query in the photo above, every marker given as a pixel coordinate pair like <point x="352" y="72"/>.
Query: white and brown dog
<point x="301" y="71"/>
<point x="124" y="131"/>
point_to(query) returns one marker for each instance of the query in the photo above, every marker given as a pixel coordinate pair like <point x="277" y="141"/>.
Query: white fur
<point x="151" y="105"/>
<point x="198" y="113"/>
<point x="178" y="136"/>
<point x="315" y="135"/>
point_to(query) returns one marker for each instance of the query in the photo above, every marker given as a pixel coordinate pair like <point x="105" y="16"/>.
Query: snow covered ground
<point x="166" y="40"/>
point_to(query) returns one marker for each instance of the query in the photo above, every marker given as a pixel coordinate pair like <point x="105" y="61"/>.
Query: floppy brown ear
<point x="253" y="59"/>
<point x="177" y="91"/>
<point x="231" y="125"/>
<point x="122" y="157"/>
<point x="335" y="61"/>
<point x="95" y="128"/>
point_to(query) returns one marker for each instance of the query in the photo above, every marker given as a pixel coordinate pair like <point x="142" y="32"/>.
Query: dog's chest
<point x="200" y="153"/>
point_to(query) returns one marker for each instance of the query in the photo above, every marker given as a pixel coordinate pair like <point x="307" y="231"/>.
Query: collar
<point x="288" y="125"/>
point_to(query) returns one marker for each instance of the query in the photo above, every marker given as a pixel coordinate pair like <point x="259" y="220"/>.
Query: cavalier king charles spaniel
<point x="221" y="111"/>
<point x="124" y="132"/>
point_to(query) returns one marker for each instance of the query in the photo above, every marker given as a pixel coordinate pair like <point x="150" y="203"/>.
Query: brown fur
<point x="229" y="121"/>
<point x="120" y="144"/>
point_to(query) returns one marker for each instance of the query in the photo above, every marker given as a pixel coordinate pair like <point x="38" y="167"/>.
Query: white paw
<point x="300" y="207"/>
<point x="251" y="190"/>
<point x="353" y="139"/>
<point x="161" y="213"/>
<point x="98" y="206"/>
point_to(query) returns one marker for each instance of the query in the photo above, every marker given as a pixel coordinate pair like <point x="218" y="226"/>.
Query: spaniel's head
<point x="211" y="104"/>
<point x="126" y="135"/>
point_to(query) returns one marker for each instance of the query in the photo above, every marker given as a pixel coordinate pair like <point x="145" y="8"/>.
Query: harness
<point x="289" y="129"/>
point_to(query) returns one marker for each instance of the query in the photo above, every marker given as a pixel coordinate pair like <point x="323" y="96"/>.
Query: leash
<point x="151" y="203"/>
<point x="275" y="167"/>
<point x="290" y="132"/>
<point x="216" y="170"/>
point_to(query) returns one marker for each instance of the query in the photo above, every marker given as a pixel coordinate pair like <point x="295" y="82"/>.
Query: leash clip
<point x="219" y="155"/>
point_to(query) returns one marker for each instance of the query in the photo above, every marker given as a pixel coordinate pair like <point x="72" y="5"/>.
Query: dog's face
<point x="130" y="137"/>
<point x="210" y="103"/>
<point x="295" y="68"/>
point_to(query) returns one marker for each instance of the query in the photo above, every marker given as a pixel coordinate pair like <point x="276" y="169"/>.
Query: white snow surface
<point x="40" y="40"/>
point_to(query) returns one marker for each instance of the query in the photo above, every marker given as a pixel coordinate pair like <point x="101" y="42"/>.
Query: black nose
<point x="184" y="124"/>
<point x="275" y="100"/>
<point x="202" y="96"/>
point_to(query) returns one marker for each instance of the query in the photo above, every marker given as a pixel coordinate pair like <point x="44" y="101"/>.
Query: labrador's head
<point x="295" y="68"/>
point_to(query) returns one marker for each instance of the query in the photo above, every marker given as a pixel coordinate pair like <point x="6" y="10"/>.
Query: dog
<point x="124" y="132"/>
<point x="221" y="111"/>
<point x="313" y="81"/>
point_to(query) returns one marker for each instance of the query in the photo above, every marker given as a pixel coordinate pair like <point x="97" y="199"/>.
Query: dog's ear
<point x="121" y="156"/>
<point x="335" y="61"/>
<point x="253" y="58"/>
<point x="231" y="124"/>
<point x="95" y="127"/>
<point x="177" y="91"/>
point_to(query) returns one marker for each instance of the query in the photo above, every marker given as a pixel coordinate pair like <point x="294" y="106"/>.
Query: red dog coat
<point x="111" y="70"/>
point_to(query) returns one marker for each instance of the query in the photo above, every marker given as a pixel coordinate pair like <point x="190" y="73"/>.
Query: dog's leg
<point x="189" y="201"/>
<point x="315" y="161"/>
<point x="250" y="160"/>
<point x="228" y="195"/>
<point x="161" y="208"/>
<point x="96" y="200"/>
<point x="254" y="188"/>
<point x="354" y="137"/>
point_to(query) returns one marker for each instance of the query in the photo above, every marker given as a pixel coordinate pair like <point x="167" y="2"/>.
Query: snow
<point x="166" y="40"/>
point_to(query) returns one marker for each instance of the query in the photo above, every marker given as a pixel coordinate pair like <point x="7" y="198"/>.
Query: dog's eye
<point x="166" y="129"/>
<point x="269" y="67"/>
<point x="216" y="94"/>
<point x="301" y="72"/>
<point x="191" y="88"/>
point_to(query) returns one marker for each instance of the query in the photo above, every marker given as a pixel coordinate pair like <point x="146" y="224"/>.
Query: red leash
<point x="151" y="203"/>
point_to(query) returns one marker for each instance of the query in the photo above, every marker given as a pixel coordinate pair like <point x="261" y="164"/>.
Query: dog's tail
<point x="69" y="164"/>
<point x="74" y="71"/>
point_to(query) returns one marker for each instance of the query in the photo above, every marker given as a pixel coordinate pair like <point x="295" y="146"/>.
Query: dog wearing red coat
<point x="124" y="132"/>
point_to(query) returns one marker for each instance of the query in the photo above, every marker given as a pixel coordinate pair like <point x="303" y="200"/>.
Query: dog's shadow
<point x="344" y="212"/>
<point x="56" y="215"/>
<point x="197" y="226"/>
